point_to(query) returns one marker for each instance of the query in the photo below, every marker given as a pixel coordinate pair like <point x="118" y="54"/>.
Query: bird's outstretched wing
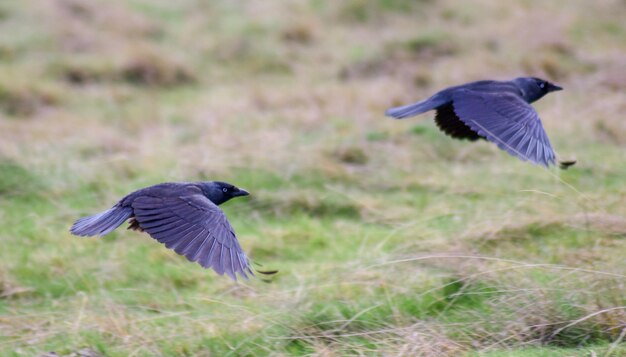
<point x="506" y="120"/>
<point x="195" y="227"/>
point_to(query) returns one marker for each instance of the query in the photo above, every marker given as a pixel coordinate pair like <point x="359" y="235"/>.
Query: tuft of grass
<point x="301" y="33"/>
<point x="364" y="11"/>
<point x="22" y="99"/>
<point x="154" y="69"/>
<point x="401" y="56"/>
<point x="390" y="238"/>
<point x="84" y="70"/>
<point x="611" y="130"/>
<point x="557" y="61"/>
<point x="351" y="155"/>
<point x="430" y="44"/>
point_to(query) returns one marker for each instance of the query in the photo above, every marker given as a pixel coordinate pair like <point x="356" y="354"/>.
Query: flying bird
<point x="185" y="217"/>
<point x="498" y="111"/>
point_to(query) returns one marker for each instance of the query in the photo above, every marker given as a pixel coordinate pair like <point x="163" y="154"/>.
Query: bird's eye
<point x="224" y="189"/>
<point x="542" y="85"/>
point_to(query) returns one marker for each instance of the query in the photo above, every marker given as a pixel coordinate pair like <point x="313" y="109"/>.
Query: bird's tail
<point x="410" y="110"/>
<point x="102" y="223"/>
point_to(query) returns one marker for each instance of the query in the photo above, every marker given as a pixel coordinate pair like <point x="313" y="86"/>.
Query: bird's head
<point x="219" y="192"/>
<point x="533" y="88"/>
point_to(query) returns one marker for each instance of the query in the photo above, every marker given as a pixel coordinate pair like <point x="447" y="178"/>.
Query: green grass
<point x="390" y="238"/>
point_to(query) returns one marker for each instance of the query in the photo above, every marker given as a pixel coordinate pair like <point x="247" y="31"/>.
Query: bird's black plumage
<point x="498" y="111"/>
<point x="183" y="216"/>
<point x="450" y="124"/>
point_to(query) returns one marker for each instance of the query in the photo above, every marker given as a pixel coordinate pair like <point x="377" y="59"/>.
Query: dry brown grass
<point x="288" y="99"/>
<point x="26" y="98"/>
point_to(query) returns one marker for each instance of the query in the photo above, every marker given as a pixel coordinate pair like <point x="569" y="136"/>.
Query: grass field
<point x="391" y="239"/>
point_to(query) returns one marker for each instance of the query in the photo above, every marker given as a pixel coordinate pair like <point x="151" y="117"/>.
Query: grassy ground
<point x="391" y="239"/>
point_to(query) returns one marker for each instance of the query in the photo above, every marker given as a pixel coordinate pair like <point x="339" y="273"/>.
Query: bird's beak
<point x="240" y="192"/>
<point x="554" y="88"/>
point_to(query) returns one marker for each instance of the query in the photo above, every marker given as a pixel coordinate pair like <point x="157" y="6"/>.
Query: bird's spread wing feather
<point x="194" y="227"/>
<point x="508" y="121"/>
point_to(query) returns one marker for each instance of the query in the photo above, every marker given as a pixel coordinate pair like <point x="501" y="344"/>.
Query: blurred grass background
<point x="391" y="238"/>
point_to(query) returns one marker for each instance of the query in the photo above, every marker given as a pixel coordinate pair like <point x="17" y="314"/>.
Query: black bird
<point x="183" y="216"/>
<point x="498" y="111"/>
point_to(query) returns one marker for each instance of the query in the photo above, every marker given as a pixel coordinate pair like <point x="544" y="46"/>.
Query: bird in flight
<point x="185" y="217"/>
<point x="498" y="111"/>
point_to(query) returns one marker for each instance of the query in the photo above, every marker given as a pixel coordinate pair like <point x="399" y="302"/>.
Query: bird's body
<point x="183" y="216"/>
<point x="498" y="111"/>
